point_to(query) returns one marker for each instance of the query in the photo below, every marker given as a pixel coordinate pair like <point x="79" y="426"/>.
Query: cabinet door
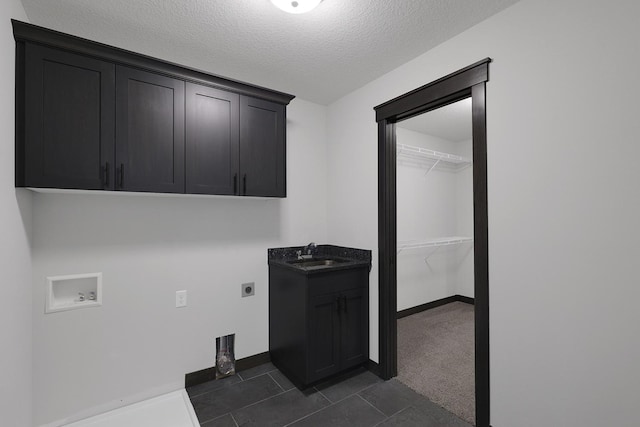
<point x="149" y="132"/>
<point x="354" y="331"/>
<point x="323" y="337"/>
<point x="262" y="148"/>
<point x="212" y="140"/>
<point x="68" y="121"/>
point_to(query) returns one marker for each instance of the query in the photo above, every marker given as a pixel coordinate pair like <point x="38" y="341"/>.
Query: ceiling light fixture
<point x="296" y="6"/>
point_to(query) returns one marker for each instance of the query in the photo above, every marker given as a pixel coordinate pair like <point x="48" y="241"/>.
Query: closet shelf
<point x="432" y="243"/>
<point x="431" y="158"/>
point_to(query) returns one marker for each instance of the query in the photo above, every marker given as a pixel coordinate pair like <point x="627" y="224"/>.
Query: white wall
<point x="562" y="117"/>
<point x="147" y="247"/>
<point x="15" y="256"/>
<point x="428" y="207"/>
<point x="464" y="223"/>
<point x="426" y="203"/>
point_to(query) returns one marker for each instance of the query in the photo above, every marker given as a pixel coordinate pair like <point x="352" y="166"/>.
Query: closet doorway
<point x="434" y="192"/>
<point x="462" y="84"/>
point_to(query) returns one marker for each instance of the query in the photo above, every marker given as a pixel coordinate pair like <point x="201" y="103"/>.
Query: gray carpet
<point x="436" y="357"/>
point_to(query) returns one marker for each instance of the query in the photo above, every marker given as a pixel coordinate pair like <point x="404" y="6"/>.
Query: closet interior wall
<point x="433" y="204"/>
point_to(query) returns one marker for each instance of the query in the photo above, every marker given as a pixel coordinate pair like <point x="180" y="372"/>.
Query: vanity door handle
<point x="344" y="304"/>
<point x="337" y="305"/>
<point x="244" y="185"/>
<point x="104" y="175"/>
<point x="235" y="183"/>
<point x="121" y="175"/>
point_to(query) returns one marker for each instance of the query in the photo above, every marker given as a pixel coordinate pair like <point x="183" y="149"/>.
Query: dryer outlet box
<point x="248" y="289"/>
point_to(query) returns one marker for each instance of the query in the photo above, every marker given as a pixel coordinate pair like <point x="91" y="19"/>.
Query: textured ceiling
<point x="451" y="122"/>
<point x="319" y="56"/>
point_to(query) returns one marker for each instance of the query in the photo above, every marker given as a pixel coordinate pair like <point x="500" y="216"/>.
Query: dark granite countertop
<point x="348" y="257"/>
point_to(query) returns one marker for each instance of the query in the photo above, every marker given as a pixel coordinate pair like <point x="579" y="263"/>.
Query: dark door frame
<point x="469" y="81"/>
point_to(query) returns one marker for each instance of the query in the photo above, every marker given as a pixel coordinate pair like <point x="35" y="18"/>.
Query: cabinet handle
<point x="106" y="174"/>
<point x="338" y="305"/>
<point x="121" y="175"/>
<point x="344" y="304"/>
<point x="235" y="183"/>
<point x="244" y="184"/>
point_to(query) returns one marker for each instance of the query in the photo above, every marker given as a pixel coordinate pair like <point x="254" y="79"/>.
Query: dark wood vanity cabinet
<point x="94" y="117"/>
<point x="319" y="322"/>
<point x="66" y="136"/>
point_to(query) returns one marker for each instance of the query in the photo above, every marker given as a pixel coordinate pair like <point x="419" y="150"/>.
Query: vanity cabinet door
<point x="262" y="148"/>
<point x="212" y="141"/>
<point x="149" y="132"/>
<point x="323" y="337"/>
<point x="69" y="121"/>
<point x="354" y="331"/>
<point x="339" y="333"/>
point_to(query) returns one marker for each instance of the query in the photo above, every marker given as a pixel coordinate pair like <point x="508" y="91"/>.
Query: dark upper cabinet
<point x="149" y="132"/>
<point x="235" y="144"/>
<point x="68" y="121"/>
<point x="95" y="117"/>
<point x="262" y="148"/>
<point x="212" y="140"/>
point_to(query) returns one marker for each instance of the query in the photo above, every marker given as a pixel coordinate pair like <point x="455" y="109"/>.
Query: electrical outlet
<point x="181" y="299"/>
<point x="248" y="289"/>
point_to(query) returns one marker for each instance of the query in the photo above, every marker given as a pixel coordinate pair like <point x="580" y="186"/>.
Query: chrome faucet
<point x="307" y="251"/>
<point x="310" y="248"/>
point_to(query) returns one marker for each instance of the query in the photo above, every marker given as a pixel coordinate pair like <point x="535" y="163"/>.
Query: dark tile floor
<point x="263" y="396"/>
